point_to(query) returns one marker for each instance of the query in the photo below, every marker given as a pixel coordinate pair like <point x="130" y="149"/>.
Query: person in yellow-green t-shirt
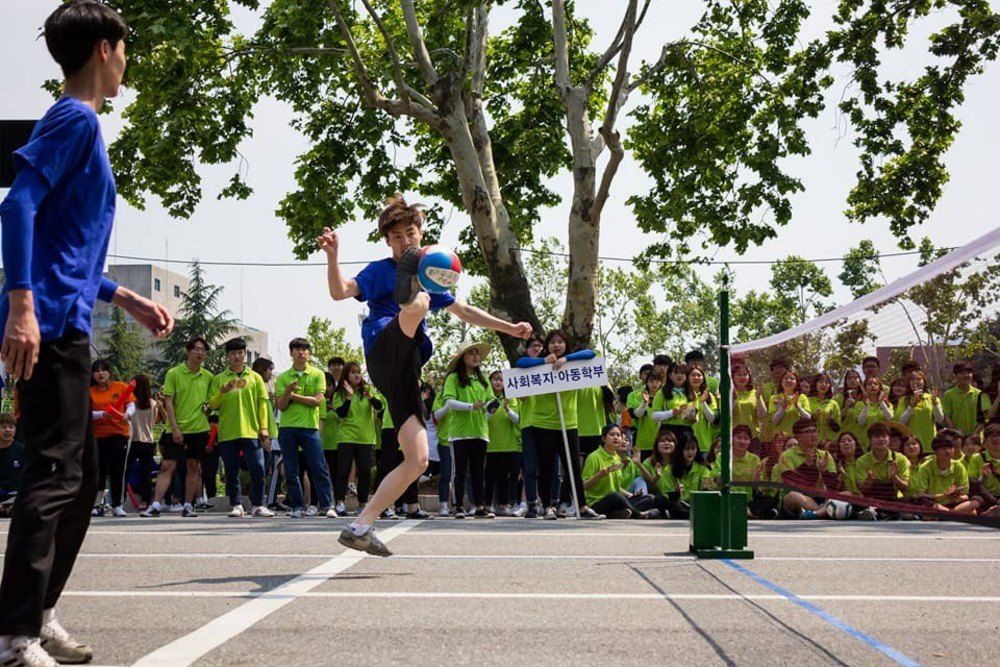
<point x="357" y="407"/>
<point x="748" y="404"/>
<point x="787" y="406"/>
<point x="984" y="472"/>
<point x="943" y="483"/>
<point x="239" y="396"/>
<point x="298" y="393"/>
<point x="920" y="410"/>
<point x="672" y="403"/>
<point x="642" y="414"/>
<point x="807" y="465"/>
<point x="965" y="407"/>
<point x="605" y="487"/>
<point x="881" y="473"/>
<point x="503" y="452"/>
<point x="824" y="409"/>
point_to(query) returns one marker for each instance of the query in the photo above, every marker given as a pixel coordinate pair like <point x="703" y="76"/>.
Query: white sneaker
<point x="295" y="513"/>
<point x="26" y="652"/>
<point x="332" y="514"/>
<point x="519" y="511"/>
<point x="341" y="509"/>
<point x="176" y="507"/>
<point x="118" y="511"/>
<point x="312" y="510"/>
<point x="262" y="512"/>
<point x="444" y="511"/>
<point x="236" y="512"/>
<point x="565" y="510"/>
<point x="61" y="647"/>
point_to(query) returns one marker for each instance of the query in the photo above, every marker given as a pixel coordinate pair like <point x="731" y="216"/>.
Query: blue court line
<point x="881" y="647"/>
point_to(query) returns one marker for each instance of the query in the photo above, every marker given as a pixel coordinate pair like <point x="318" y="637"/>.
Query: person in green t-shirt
<point x="605" y="487"/>
<point x="965" y="407"/>
<point x="357" y="407"/>
<point x="805" y="465"/>
<point x="749" y="407"/>
<point x="466" y="393"/>
<point x="642" y="414"/>
<point x="185" y="402"/>
<point x="272" y="460"/>
<point x="299" y="393"/>
<point x="984" y="473"/>
<point x="673" y="405"/>
<point x="920" y="410"/>
<point x="881" y="473"/>
<point x="658" y="475"/>
<point x="824" y="409"/>
<point x="846" y="452"/>
<point x="440" y="415"/>
<point x="548" y="433"/>
<point x="503" y="451"/>
<point x="240" y="398"/>
<point x="787" y="406"/>
<point x="943" y="483"/>
<point x="534" y="347"/>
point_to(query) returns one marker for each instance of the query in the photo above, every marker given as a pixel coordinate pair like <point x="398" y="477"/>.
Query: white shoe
<point x="61" y="647"/>
<point x="312" y="510"/>
<point x="176" y="507"/>
<point x="332" y="514"/>
<point x="262" y="512"/>
<point x="118" y="511"/>
<point x="295" y="513"/>
<point x="236" y="512"/>
<point x="341" y="510"/>
<point x="444" y="511"/>
<point x="26" y="652"/>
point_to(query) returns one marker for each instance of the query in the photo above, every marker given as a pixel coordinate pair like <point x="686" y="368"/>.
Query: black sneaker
<point x="532" y="512"/>
<point x="407" y="286"/>
<point x="483" y="513"/>
<point x="368" y="542"/>
<point x="418" y="514"/>
<point x="189" y="512"/>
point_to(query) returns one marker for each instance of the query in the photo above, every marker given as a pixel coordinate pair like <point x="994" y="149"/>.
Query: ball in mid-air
<point x="439" y="269"/>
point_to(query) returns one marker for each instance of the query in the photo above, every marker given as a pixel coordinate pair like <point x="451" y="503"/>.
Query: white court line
<point x="274" y="597"/>
<point x="218" y="631"/>
<point x="517" y="557"/>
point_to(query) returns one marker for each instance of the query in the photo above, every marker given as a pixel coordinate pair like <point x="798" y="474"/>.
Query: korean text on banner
<point x="519" y="382"/>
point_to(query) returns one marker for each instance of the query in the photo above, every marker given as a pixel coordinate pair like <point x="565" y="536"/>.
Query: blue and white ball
<point x="439" y="269"/>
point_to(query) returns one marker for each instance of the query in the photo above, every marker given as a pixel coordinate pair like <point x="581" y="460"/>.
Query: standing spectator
<point x="57" y="221"/>
<point x="964" y="406"/>
<point x="824" y="409"/>
<point x="143" y="447"/>
<point x="529" y="452"/>
<point x="272" y="458"/>
<point x="299" y="394"/>
<point x="466" y="392"/>
<point x="357" y="407"/>
<point x="642" y="414"/>
<point x="920" y="410"/>
<point x="329" y="424"/>
<point x="239" y="396"/>
<point x="185" y="400"/>
<point x="111" y="429"/>
<point x="11" y="458"/>
<point x="872" y="368"/>
<point x="335" y="366"/>
<point x="440" y="416"/>
<point x="787" y="406"/>
<point x="674" y="399"/>
<point x="503" y="452"/>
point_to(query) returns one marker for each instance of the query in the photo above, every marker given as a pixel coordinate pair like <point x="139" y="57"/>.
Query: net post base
<point x="719" y="554"/>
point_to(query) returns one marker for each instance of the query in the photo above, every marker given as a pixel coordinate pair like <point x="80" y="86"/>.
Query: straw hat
<point x="484" y="351"/>
<point x="900" y="428"/>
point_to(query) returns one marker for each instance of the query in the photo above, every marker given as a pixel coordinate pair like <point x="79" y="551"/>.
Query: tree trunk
<point x="584" y="226"/>
<point x="510" y="295"/>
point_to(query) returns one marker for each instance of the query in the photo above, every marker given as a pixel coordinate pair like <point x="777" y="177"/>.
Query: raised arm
<point x="480" y="318"/>
<point x="340" y="287"/>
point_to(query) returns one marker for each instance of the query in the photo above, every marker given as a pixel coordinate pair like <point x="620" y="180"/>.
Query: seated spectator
<point x="658" y="472"/>
<point x="882" y="474"/>
<point x="603" y="484"/>
<point x="984" y="473"/>
<point x="845" y="453"/>
<point x="804" y="465"/>
<point x="11" y="458"/>
<point x="942" y="483"/>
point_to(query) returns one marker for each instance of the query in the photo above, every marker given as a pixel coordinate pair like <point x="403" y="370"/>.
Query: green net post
<point x="719" y="518"/>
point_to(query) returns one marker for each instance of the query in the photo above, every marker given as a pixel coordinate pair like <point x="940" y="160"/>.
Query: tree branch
<point x="561" y="45"/>
<point x="616" y="45"/>
<point x="613" y="141"/>
<point x="620" y="91"/>
<point x="664" y="52"/>
<point x="423" y="58"/>
<point x="371" y="96"/>
<point x="397" y="70"/>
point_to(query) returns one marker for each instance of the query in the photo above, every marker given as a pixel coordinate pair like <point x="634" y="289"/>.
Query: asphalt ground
<point x="220" y="591"/>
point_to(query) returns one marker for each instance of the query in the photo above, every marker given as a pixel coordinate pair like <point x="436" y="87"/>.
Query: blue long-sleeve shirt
<point x="55" y="223"/>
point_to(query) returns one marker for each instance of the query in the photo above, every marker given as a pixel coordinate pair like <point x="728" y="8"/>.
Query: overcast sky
<point x="281" y="300"/>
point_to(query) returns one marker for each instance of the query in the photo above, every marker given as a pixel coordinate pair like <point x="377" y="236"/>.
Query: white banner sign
<point x="518" y="382"/>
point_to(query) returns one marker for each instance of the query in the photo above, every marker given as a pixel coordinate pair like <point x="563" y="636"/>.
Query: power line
<point x="742" y="262"/>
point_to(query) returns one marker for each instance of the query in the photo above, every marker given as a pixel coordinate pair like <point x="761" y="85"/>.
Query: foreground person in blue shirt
<point x="397" y="347"/>
<point x="56" y="223"/>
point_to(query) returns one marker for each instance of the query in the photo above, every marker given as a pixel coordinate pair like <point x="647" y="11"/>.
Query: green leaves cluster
<point x="124" y="347"/>
<point x="328" y="341"/>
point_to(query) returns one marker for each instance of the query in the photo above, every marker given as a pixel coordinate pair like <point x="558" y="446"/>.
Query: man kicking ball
<point x="397" y="346"/>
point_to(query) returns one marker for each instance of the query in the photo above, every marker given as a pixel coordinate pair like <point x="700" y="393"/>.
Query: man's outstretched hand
<point x="521" y="330"/>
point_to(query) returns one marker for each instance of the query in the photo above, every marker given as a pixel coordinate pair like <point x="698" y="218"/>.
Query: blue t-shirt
<point x="376" y="283"/>
<point x="70" y="194"/>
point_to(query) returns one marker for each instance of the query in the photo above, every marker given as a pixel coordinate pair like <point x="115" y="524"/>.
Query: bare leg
<point x="413" y="313"/>
<point x="192" y="484"/>
<point x="163" y="480"/>
<point x="413" y="442"/>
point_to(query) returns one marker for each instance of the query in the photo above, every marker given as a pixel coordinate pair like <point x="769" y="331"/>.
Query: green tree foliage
<point x="861" y="269"/>
<point x="329" y="341"/>
<point x="124" y="347"/>
<point x="199" y="315"/>
<point x="420" y="97"/>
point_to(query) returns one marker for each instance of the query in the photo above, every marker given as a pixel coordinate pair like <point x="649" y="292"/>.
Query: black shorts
<point x="394" y="365"/>
<point x="193" y="448"/>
